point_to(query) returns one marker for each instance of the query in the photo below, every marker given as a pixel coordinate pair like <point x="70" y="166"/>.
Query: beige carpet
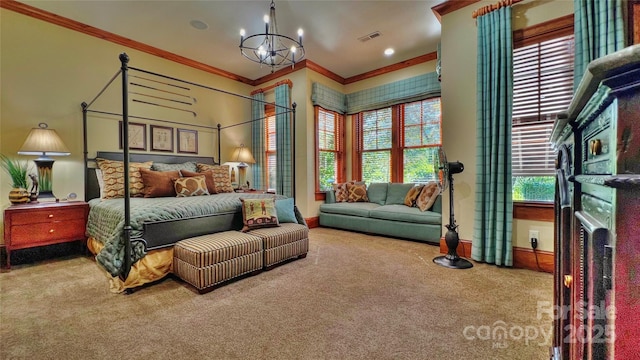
<point x="354" y="297"/>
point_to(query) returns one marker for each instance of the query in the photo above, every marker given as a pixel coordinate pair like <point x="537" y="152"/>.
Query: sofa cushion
<point x="402" y="213"/>
<point x="397" y="192"/>
<point x="377" y="193"/>
<point x="353" y="209"/>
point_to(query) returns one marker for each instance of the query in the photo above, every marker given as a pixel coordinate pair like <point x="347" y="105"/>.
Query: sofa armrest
<point x="437" y="205"/>
<point x="331" y="197"/>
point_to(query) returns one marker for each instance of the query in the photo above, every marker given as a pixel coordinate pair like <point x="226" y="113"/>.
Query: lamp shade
<point x="242" y="155"/>
<point x="43" y="141"/>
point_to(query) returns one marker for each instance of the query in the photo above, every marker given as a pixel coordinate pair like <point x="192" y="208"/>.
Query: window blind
<point x="542" y="87"/>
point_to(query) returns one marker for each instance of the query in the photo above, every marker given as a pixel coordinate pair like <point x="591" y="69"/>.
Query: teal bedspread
<point x="106" y="220"/>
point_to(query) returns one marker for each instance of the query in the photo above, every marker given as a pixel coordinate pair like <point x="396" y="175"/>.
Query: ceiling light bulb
<point x="293" y="49"/>
<point x="300" y="32"/>
<point x="266" y="18"/>
<point x="262" y="51"/>
<point x="389" y="51"/>
<point x="242" y="32"/>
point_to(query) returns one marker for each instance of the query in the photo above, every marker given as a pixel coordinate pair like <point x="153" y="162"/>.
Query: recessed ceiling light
<point x="197" y="24"/>
<point x="389" y="52"/>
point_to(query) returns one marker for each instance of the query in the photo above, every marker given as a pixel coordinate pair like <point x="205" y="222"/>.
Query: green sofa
<point x="384" y="214"/>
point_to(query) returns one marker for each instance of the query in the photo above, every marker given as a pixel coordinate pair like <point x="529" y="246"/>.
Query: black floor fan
<point x="444" y="175"/>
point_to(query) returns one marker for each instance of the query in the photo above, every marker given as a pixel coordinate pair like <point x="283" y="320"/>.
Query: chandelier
<point x="271" y="48"/>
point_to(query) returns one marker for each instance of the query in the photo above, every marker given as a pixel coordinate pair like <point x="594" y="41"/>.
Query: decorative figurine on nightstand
<point x="33" y="193"/>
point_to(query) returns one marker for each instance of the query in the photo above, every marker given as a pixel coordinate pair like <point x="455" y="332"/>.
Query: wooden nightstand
<point x="39" y="224"/>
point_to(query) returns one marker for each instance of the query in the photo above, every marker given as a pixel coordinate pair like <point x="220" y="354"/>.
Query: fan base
<point x="458" y="263"/>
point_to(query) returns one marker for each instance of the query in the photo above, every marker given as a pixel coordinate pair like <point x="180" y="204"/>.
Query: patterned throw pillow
<point x="113" y="177"/>
<point x="189" y="166"/>
<point x="221" y="177"/>
<point x="357" y="193"/>
<point x="412" y="195"/>
<point x="158" y="183"/>
<point x="190" y="186"/>
<point x="342" y="190"/>
<point x="428" y="196"/>
<point x="208" y="178"/>
<point x="259" y="213"/>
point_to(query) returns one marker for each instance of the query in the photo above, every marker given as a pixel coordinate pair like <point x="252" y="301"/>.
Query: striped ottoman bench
<point x="208" y="260"/>
<point x="283" y="242"/>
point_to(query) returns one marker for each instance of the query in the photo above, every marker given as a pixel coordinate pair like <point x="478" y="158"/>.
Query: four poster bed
<point x="133" y="237"/>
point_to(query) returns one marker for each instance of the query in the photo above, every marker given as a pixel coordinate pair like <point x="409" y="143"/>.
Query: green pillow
<point x="284" y="210"/>
<point x="377" y="193"/>
<point x="397" y="192"/>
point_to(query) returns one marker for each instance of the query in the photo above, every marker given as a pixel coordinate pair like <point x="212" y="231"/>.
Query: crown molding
<point x="450" y="6"/>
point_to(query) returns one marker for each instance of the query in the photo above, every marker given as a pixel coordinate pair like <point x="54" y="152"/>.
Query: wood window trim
<point x="269" y="111"/>
<point x="340" y="149"/>
<point x="533" y="210"/>
<point x="562" y="26"/>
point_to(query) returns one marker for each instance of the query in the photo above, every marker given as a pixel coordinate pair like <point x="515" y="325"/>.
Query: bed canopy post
<point x="124" y="60"/>
<point x="293" y="150"/>
<point x="219" y="158"/>
<point x="84" y="148"/>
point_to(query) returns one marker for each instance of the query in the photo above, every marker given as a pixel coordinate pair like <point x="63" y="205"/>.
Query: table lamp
<point x="44" y="142"/>
<point x="243" y="156"/>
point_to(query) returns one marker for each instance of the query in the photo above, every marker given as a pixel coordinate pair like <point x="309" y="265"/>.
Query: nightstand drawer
<point x="48" y="215"/>
<point x="47" y="232"/>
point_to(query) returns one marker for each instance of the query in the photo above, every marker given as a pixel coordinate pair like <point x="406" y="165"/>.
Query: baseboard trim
<point x="313" y="222"/>
<point x="523" y="258"/>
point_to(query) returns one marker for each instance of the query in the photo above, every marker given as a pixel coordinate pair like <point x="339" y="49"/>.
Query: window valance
<point x="328" y="98"/>
<point x="413" y="89"/>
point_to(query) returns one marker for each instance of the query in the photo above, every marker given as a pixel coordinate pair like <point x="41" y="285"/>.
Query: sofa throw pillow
<point x="412" y="195"/>
<point x="159" y="183"/>
<point x="113" y="178"/>
<point x="285" y="212"/>
<point x="377" y="193"/>
<point x="189" y="166"/>
<point x="258" y="213"/>
<point x="190" y="186"/>
<point x="357" y="193"/>
<point x="221" y="176"/>
<point x="208" y="178"/>
<point x="342" y="194"/>
<point x="427" y="196"/>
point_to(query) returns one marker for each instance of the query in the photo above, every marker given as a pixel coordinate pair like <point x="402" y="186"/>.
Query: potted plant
<point x="17" y="171"/>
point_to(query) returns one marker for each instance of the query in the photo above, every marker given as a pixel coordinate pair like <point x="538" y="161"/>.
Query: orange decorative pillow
<point x="428" y="196"/>
<point x="158" y="183"/>
<point x="342" y="190"/>
<point x="208" y="178"/>
<point x="190" y="186"/>
<point x="113" y="177"/>
<point x="259" y="213"/>
<point x="357" y="193"/>
<point x="221" y="176"/>
<point x="412" y="195"/>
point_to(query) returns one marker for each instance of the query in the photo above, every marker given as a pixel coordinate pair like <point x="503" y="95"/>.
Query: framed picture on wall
<point x="187" y="141"/>
<point x="161" y="138"/>
<point x="137" y="136"/>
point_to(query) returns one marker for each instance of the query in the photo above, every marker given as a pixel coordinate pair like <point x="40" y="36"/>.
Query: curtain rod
<point x="489" y="8"/>
<point x="282" y="82"/>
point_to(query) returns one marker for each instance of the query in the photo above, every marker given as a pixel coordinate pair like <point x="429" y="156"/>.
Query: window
<point x="399" y="143"/>
<point x="542" y="87"/>
<point x="330" y="161"/>
<point x="270" y="146"/>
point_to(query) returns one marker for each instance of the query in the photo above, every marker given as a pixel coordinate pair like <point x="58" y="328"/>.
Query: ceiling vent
<point x="368" y="37"/>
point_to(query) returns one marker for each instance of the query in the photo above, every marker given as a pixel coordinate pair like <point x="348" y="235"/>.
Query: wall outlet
<point x="534" y="236"/>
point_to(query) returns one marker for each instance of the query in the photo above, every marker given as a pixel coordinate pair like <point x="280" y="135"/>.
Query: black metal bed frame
<point x="156" y="235"/>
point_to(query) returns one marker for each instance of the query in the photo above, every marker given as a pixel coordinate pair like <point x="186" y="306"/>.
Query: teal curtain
<point x="598" y="31"/>
<point x="257" y="141"/>
<point x="284" y="174"/>
<point x="494" y="204"/>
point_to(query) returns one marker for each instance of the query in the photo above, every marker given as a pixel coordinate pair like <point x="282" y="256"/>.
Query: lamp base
<point x="458" y="263"/>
